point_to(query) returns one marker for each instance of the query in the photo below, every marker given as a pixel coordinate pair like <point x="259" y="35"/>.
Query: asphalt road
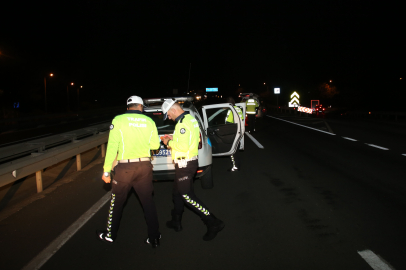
<point x="310" y="199"/>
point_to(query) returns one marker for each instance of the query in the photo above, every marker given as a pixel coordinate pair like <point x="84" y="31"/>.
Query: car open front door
<point x="243" y="108"/>
<point x="224" y="137"/>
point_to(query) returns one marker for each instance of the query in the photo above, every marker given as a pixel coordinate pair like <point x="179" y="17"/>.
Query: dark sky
<point x="120" y="48"/>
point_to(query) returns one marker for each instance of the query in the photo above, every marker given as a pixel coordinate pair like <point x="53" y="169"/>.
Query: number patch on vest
<point x="182" y="131"/>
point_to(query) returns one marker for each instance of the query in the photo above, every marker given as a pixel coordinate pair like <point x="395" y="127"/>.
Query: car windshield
<point x="164" y="127"/>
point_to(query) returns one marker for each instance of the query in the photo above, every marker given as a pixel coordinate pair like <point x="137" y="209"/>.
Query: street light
<point x="45" y="87"/>
<point x="78" y="97"/>
<point x="67" y="94"/>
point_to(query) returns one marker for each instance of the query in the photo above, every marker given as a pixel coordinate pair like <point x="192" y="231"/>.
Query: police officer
<point x="132" y="136"/>
<point x="251" y="109"/>
<point x="235" y="159"/>
<point x="184" y="146"/>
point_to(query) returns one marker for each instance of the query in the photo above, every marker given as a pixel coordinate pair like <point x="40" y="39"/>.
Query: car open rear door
<point x="243" y="108"/>
<point x="224" y="137"/>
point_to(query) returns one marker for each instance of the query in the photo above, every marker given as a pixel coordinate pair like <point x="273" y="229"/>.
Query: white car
<point x="216" y="137"/>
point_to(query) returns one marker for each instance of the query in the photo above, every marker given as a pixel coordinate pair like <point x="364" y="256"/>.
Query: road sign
<point x="277" y="90"/>
<point x="294" y="100"/>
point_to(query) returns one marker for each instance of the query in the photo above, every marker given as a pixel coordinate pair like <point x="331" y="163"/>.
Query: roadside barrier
<point x="34" y="156"/>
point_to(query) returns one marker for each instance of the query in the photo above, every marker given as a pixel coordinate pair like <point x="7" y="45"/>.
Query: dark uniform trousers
<point x="183" y="193"/>
<point x="251" y="122"/>
<point x="137" y="175"/>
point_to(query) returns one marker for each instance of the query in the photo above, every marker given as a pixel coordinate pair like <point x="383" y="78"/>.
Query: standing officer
<point x="252" y="106"/>
<point x="235" y="159"/>
<point x="132" y="136"/>
<point x="184" y="144"/>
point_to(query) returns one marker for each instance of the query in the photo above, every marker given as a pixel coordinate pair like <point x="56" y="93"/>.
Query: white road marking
<point x="254" y="140"/>
<point x="377" y="146"/>
<point x="354" y="140"/>
<point x="303" y="125"/>
<point x="49" y="251"/>
<point x="374" y="261"/>
<point x="328" y="127"/>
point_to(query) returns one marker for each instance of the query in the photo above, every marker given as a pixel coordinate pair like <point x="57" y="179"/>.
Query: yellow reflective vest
<point x="251" y="104"/>
<point x="132" y="135"/>
<point x="185" y="141"/>
<point x="230" y="115"/>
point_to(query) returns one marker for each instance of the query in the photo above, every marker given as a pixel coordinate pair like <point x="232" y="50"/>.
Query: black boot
<point x="214" y="225"/>
<point x="175" y="223"/>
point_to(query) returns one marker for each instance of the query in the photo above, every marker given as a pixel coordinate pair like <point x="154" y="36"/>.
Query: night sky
<point x="120" y="48"/>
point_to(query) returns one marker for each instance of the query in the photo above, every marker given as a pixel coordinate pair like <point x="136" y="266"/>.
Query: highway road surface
<point x="311" y="194"/>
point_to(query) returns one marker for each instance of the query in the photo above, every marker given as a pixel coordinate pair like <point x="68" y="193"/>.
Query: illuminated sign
<point x="294" y="102"/>
<point x="305" y="109"/>
<point x="212" y="89"/>
<point x="277" y="90"/>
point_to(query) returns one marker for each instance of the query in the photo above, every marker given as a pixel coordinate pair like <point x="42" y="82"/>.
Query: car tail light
<point x="200" y="141"/>
<point x="199" y="171"/>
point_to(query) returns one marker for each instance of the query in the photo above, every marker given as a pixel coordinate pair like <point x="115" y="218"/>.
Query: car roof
<point x="157" y="108"/>
<point x="162" y="100"/>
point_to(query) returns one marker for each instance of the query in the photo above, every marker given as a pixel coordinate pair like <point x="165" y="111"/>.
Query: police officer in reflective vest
<point x="184" y="147"/>
<point x="251" y="108"/>
<point x="132" y="136"/>
<point x="235" y="159"/>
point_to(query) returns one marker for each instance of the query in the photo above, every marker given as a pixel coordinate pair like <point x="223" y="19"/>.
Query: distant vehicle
<point x="319" y="109"/>
<point x="216" y="137"/>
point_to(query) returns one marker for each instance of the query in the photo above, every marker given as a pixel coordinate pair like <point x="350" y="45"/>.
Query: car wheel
<point x="207" y="179"/>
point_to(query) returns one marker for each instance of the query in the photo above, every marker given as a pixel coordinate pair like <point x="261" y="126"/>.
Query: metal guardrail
<point x="42" y="153"/>
<point x="44" y="144"/>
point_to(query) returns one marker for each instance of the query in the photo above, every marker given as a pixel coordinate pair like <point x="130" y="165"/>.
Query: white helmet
<point x="135" y="100"/>
<point x="166" y="106"/>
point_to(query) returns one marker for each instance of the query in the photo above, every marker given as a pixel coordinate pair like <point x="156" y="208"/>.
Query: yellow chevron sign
<point x="294" y="102"/>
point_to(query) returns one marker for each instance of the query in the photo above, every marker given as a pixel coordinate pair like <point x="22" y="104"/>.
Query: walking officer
<point x="235" y="159"/>
<point x="252" y="106"/>
<point x="184" y="146"/>
<point x="132" y="136"/>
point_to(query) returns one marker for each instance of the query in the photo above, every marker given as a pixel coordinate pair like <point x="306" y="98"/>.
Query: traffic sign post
<point x="277" y="91"/>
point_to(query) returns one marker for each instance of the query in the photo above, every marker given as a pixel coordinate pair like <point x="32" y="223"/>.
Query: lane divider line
<point x="354" y="140"/>
<point x="303" y="125"/>
<point x="377" y="146"/>
<point x="374" y="261"/>
<point x="254" y="140"/>
<point x="52" y="248"/>
<point x="347" y="138"/>
<point x="328" y="127"/>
